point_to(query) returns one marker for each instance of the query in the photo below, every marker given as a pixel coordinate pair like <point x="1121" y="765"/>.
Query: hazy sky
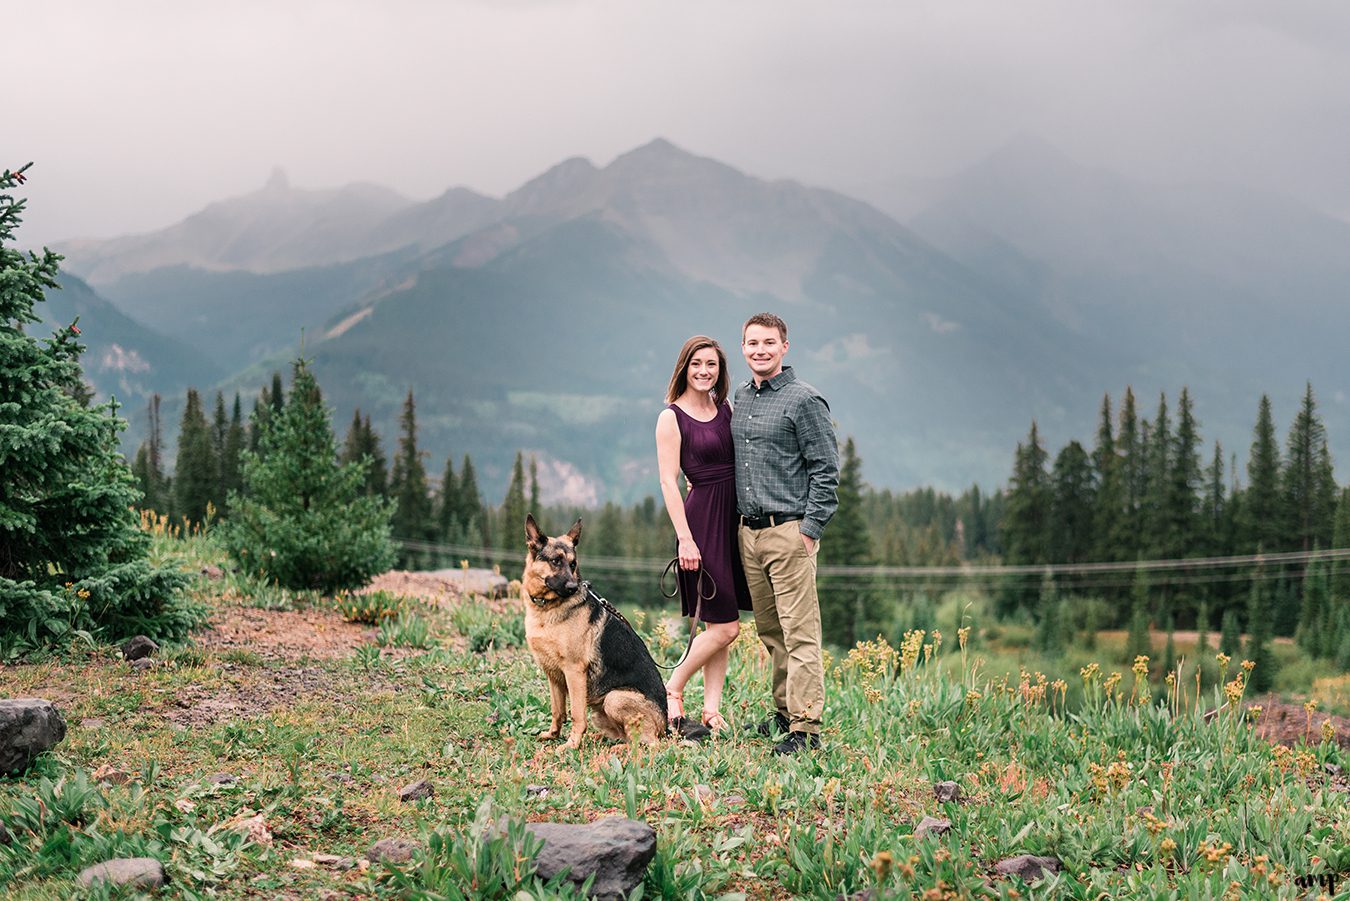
<point x="139" y="112"/>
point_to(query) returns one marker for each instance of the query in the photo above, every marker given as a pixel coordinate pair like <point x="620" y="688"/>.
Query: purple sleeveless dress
<point x="707" y="459"/>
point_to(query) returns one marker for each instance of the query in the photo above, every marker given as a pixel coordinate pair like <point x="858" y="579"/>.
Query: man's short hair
<point x="768" y="320"/>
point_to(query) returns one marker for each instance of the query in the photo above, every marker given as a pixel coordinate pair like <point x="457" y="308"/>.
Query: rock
<point x="28" y="726"/>
<point x="334" y="861"/>
<point x="617" y="850"/>
<point x="734" y="801"/>
<point x="703" y="793"/>
<point x="343" y="778"/>
<point x="537" y="791"/>
<point x="932" y="826"/>
<point x="222" y="779"/>
<point x="141" y="664"/>
<point x="1332" y="769"/>
<point x="1029" y="867"/>
<point x="213" y="572"/>
<point x="138" y="648"/>
<point x="91" y="723"/>
<point x="109" y="775"/>
<point x="947" y="791"/>
<point x="394" y="850"/>
<point x="136" y="872"/>
<point x="416" y="791"/>
<point x="252" y="825"/>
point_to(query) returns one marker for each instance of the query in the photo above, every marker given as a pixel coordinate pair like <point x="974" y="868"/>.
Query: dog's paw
<point x="572" y="743"/>
<point x="549" y="734"/>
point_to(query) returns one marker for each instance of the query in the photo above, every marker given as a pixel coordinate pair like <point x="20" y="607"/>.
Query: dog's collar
<point x="581" y="589"/>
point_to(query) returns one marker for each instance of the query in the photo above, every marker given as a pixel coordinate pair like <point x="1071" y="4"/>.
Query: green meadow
<point x="1142" y="787"/>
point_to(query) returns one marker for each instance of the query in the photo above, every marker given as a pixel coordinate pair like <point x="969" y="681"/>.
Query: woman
<point x="693" y="436"/>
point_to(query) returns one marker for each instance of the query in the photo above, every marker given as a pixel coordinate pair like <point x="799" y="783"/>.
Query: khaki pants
<point x="782" y="579"/>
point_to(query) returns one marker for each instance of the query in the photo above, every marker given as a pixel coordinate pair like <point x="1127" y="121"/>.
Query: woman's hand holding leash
<point x="689" y="555"/>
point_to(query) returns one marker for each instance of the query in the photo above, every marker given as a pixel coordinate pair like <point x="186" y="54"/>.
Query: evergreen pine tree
<point x="847" y="609"/>
<point x="1071" y="506"/>
<point x="1160" y="542"/>
<point x="196" y="477"/>
<point x="470" y="516"/>
<point x="1138" y="641"/>
<point x="1170" y="649"/>
<point x="302" y="520"/>
<point x="1309" y="501"/>
<point x="361" y="443"/>
<point x="149" y="465"/>
<point x="1109" y="499"/>
<point x="1202" y="629"/>
<point x="513" y="508"/>
<point x="1230" y="633"/>
<point x="447" y="502"/>
<point x="1340" y="539"/>
<point x="1125" y="532"/>
<point x="72" y="554"/>
<point x="1258" y="648"/>
<point x="408" y="484"/>
<point x="1261" y="505"/>
<point x="534" y="484"/>
<point x="231" y="476"/>
<point x="1026" y="519"/>
<point x="1186" y="535"/>
<point x="1312" y="622"/>
<point x="1049" y="627"/>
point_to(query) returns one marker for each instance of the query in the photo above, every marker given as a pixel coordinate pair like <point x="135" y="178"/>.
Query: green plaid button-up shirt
<point x="787" y="456"/>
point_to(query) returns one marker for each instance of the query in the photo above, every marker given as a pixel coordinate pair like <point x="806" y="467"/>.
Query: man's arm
<point x="820" y="453"/>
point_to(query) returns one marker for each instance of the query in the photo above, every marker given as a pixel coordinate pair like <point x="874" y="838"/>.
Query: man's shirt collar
<point x="778" y="381"/>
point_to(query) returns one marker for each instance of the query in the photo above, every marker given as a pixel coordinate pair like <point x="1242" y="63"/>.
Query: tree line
<point x="1142" y="492"/>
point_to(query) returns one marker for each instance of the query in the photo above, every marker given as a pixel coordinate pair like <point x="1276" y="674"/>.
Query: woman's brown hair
<point x="679" y="382"/>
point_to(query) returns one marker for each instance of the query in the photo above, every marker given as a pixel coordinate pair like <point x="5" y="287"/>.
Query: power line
<point x="966" y="571"/>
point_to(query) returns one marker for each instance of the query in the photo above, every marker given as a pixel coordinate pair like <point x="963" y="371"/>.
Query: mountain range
<point x="547" y="320"/>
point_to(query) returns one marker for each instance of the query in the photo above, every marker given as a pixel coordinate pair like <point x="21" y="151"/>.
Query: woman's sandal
<point x="716" y="723"/>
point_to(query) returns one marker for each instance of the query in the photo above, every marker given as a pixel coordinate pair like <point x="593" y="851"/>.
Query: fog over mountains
<point x="547" y="320"/>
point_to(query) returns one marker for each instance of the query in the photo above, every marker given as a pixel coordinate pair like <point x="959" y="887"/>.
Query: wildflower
<point x="1223" y="660"/>
<point x="1310" y="706"/>
<point x="1254" y="713"/>
<point x="1328" y="730"/>
<point x="1089" y="672"/>
<point x="973" y="696"/>
<point x="1248" y="666"/>
<point x="1233" y="690"/>
<point x="1167" y="847"/>
<point x="882" y="863"/>
<point x="963" y="636"/>
<point x="1140" y="667"/>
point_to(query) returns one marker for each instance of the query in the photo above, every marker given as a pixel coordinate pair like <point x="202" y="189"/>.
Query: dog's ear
<point x="533" y="535"/>
<point x="574" y="533"/>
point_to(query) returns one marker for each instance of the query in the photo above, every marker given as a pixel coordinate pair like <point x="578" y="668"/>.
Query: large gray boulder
<point x="1029" y="866"/>
<point x="28" y="726"/>
<point x="617" y="850"/>
<point x="135" y="872"/>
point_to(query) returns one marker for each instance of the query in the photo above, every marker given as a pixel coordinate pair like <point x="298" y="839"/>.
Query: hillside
<point x="1027" y="288"/>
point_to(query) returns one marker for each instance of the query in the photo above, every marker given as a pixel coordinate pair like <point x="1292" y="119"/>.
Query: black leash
<point x="702" y="580"/>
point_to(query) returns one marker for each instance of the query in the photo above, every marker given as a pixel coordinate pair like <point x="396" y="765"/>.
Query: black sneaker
<point x="797" y="741"/>
<point x="774" y="725"/>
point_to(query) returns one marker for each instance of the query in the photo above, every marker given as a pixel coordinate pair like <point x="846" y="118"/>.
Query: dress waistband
<point x="711" y="474"/>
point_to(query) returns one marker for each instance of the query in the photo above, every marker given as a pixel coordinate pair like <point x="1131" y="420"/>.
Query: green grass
<point x="1140" y="800"/>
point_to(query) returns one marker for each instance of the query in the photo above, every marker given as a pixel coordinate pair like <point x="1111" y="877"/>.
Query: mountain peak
<point x="277" y="181"/>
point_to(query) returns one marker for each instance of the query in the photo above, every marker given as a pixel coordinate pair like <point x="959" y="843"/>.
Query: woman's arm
<point x="668" y="466"/>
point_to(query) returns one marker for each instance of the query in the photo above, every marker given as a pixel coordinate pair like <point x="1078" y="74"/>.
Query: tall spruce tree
<point x="1184" y="531"/>
<point x="1071" y="506"/>
<point x="231" y="476"/>
<point x="1309" y="500"/>
<point x="408" y="483"/>
<point x="1026" y="520"/>
<point x="1259" y="627"/>
<point x="471" y="513"/>
<point x="302" y="520"/>
<point x="149" y="465"/>
<point x="513" y="506"/>
<point x="1125" y="534"/>
<point x="1138" y="640"/>
<point x="72" y="554"/>
<point x="1109" y="499"/>
<point x="447" y="502"/>
<point x="1159" y="541"/>
<point x="849" y="611"/>
<point x="196" y="474"/>
<point x="1230" y="633"/>
<point x="1262" y="509"/>
<point x="361" y="443"/>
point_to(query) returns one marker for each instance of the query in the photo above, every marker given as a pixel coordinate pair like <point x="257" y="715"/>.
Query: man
<point x="787" y="470"/>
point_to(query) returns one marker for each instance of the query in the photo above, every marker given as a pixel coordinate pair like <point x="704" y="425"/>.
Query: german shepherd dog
<point x="591" y="657"/>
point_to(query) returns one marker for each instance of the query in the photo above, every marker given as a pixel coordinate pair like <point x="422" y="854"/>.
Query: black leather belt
<point x="769" y="519"/>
